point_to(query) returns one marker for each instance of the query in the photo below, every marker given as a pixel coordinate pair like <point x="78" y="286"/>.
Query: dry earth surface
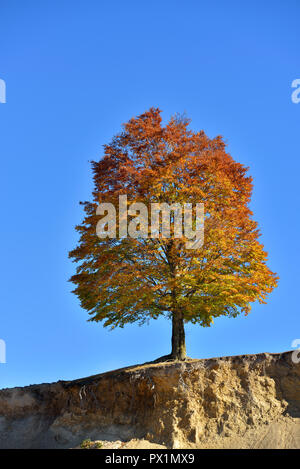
<point x="249" y="401"/>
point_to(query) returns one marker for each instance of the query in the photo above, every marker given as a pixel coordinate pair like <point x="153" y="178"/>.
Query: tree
<point x="122" y="280"/>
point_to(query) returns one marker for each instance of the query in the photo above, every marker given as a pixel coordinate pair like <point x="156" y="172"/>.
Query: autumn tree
<point x="123" y="279"/>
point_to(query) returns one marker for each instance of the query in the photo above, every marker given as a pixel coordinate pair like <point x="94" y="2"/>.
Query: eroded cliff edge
<point x="241" y="401"/>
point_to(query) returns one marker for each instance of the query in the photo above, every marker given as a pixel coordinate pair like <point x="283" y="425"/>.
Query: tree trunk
<point x="178" y="337"/>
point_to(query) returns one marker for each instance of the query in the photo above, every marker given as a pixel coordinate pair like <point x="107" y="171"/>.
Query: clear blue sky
<point x="76" y="70"/>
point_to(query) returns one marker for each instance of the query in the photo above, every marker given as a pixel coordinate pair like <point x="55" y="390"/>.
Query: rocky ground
<point x="249" y="401"/>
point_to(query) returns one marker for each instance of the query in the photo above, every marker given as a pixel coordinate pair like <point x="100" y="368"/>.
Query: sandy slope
<point x="249" y="401"/>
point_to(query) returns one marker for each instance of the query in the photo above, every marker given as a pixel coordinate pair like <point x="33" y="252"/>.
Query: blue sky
<point x="76" y="70"/>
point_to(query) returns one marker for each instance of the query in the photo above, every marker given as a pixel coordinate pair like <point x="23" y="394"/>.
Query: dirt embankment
<point x="230" y="402"/>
